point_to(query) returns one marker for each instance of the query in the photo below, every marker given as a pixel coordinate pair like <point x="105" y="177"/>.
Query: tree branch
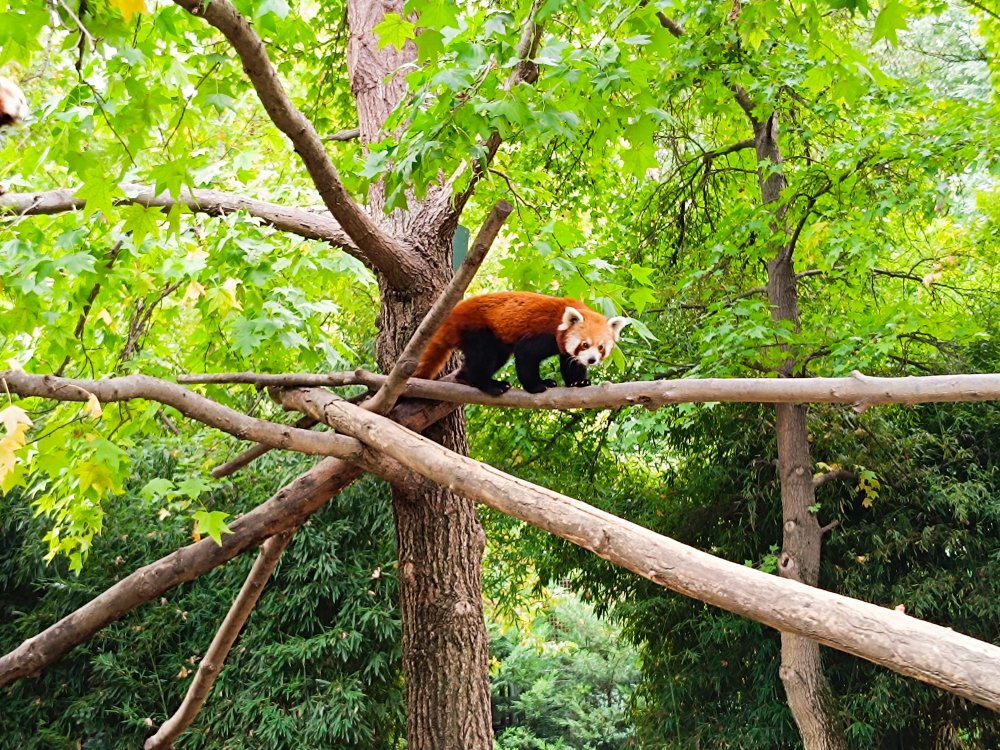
<point x="395" y="382"/>
<point x="858" y="390"/>
<point x="834" y="475"/>
<point x="931" y="653"/>
<point x="348" y="134"/>
<point x="524" y="72"/>
<point x="399" y="266"/>
<point x="211" y="664"/>
<point x="313" y="226"/>
<point x="188" y="403"/>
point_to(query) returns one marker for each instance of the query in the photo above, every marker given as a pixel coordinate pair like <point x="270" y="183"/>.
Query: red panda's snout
<point x="590" y="338"/>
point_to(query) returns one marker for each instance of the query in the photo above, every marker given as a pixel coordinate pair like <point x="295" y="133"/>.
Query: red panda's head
<point x="588" y="336"/>
<point x="13" y="106"/>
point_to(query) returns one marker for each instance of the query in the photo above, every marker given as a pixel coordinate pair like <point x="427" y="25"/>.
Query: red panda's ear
<point x="617" y="324"/>
<point x="13" y="106"/>
<point x="571" y="316"/>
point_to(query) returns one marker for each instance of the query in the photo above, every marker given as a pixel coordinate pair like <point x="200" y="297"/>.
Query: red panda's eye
<point x="585" y="345"/>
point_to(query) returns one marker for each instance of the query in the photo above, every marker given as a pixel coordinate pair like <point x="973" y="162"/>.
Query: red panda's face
<point x="589" y="337"/>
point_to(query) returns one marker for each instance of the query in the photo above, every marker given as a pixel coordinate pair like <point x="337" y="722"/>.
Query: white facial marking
<point x="14" y="105"/>
<point x="572" y="343"/>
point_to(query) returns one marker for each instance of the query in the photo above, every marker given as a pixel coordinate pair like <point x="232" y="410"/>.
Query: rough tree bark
<point x="439" y="538"/>
<point x="809" y="695"/>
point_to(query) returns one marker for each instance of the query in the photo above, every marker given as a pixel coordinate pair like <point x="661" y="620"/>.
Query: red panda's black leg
<point x="574" y="374"/>
<point x="484" y="355"/>
<point x="528" y="355"/>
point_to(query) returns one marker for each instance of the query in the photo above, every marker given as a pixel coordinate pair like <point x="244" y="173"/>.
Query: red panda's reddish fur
<point x="510" y="316"/>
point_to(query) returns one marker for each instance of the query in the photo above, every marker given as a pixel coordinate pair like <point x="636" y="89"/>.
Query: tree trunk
<point x="440" y="550"/>
<point x="809" y="694"/>
<point x="440" y="540"/>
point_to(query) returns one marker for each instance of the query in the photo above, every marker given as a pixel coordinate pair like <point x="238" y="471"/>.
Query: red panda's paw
<point x="540" y="387"/>
<point x="495" y="387"/>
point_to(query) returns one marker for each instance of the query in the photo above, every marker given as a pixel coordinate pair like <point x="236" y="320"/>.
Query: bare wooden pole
<point x="213" y="660"/>
<point x="858" y="391"/>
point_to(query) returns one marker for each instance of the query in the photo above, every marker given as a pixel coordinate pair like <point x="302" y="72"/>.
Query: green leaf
<point x="278" y="8"/>
<point x="891" y="19"/>
<point x="394" y="30"/>
<point x="156" y="489"/>
<point x="211" y="523"/>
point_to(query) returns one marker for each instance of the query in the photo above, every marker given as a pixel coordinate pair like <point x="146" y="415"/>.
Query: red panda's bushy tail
<point x="435" y="356"/>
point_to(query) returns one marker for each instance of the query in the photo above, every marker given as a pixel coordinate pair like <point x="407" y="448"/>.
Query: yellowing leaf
<point x="13" y="417"/>
<point x="105" y="317"/>
<point x="96" y="476"/>
<point x="93" y="407"/>
<point x="194" y="291"/>
<point x="128" y="8"/>
<point x="16" y="423"/>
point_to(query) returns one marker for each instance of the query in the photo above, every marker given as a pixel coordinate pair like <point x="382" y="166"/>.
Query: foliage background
<point x="636" y="191"/>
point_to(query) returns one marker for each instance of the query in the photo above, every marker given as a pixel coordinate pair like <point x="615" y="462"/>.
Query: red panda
<point x="13" y="106"/>
<point x="532" y="327"/>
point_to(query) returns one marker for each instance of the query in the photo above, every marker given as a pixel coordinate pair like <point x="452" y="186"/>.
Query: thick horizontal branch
<point x="313" y="226"/>
<point x="859" y="391"/>
<point x="288" y="509"/>
<point x="399" y="266"/>
<point x="954" y="662"/>
<point x="191" y="405"/>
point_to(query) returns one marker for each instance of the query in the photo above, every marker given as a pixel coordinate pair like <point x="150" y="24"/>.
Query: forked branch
<point x="287" y="509"/>
<point x="399" y="266"/>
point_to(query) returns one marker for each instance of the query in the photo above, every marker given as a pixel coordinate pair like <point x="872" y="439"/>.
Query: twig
<point x="395" y="383"/>
<point x="524" y="72"/>
<point x="254" y="452"/>
<point x="348" y="134"/>
<point x="81" y="322"/>
<point x="215" y="657"/>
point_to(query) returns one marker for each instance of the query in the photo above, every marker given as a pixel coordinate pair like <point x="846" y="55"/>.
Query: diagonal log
<point x="211" y="663"/>
<point x="395" y="382"/>
<point x="954" y="662"/>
